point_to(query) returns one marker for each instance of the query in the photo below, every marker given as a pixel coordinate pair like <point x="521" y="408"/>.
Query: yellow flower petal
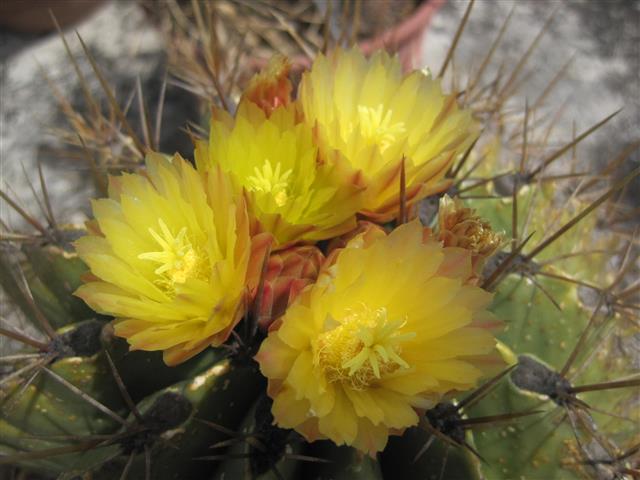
<point x="375" y="116"/>
<point x="376" y="338"/>
<point x="340" y="424"/>
<point x="171" y="254"/>
<point x="290" y="410"/>
<point x="272" y="158"/>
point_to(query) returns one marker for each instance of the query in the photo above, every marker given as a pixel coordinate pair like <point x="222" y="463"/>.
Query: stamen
<point x="270" y="180"/>
<point x="362" y="348"/>
<point x="377" y="127"/>
<point x="178" y="260"/>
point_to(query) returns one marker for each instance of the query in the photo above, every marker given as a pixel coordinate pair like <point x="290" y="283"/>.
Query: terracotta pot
<point x="32" y="16"/>
<point x="405" y="39"/>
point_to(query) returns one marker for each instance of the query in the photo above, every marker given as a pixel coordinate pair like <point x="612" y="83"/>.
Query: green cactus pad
<point x="222" y="394"/>
<point x="60" y="270"/>
<point x="439" y="461"/>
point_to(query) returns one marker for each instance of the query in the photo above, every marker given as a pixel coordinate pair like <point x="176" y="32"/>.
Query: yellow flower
<point x="169" y="255"/>
<point x="374" y="115"/>
<point x="273" y="159"/>
<point x="387" y="329"/>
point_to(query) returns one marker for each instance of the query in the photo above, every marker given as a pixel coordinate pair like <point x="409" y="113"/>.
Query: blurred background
<point x="129" y="41"/>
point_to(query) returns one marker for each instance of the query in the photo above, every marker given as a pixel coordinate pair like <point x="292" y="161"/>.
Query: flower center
<point x="270" y="180"/>
<point x="363" y="347"/>
<point x="178" y="259"/>
<point x="376" y="126"/>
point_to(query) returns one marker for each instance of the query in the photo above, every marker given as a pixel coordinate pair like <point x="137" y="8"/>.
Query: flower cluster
<point x="365" y="328"/>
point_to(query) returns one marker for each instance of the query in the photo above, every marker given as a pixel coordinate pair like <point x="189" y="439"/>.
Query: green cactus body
<point x="60" y="269"/>
<point x="222" y="394"/>
<point x="343" y="463"/>
<point x="533" y="447"/>
<point x="246" y="453"/>
<point x="52" y="412"/>
<point x="16" y="441"/>
<point x="44" y="298"/>
<point x="440" y="460"/>
<point x="542" y="445"/>
<point x="52" y="273"/>
<point x="135" y="366"/>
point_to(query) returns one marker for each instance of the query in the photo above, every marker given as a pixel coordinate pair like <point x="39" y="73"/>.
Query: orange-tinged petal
<point x="270" y="88"/>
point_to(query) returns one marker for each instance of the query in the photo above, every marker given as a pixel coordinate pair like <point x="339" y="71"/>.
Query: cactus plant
<point x="516" y="370"/>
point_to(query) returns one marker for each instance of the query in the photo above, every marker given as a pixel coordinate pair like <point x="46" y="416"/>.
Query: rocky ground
<point x="126" y="46"/>
<point x="602" y="36"/>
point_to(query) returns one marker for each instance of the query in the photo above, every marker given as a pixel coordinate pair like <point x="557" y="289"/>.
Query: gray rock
<point x="603" y="35"/>
<point x="126" y="46"/>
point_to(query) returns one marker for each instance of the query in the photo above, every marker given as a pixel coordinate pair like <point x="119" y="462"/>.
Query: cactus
<point x="79" y="402"/>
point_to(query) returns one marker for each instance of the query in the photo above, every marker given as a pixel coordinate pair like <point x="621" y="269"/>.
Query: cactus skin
<point x="538" y="447"/>
<point x="47" y="408"/>
<point x="541" y="446"/>
<point x="257" y="429"/>
<point x="44" y="298"/>
<point x="533" y="447"/>
<point x="222" y="394"/>
<point x="344" y="464"/>
<point x="16" y="441"/>
<point x="53" y="272"/>
<point x="401" y="452"/>
<point x="59" y="269"/>
<point x="135" y="366"/>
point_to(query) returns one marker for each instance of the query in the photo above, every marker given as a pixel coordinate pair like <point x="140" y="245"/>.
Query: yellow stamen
<point x="270" y="180"/>
<point x="363" y="347"/>
<point x="178" y="260"/>
<point x="376" y="126"/>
